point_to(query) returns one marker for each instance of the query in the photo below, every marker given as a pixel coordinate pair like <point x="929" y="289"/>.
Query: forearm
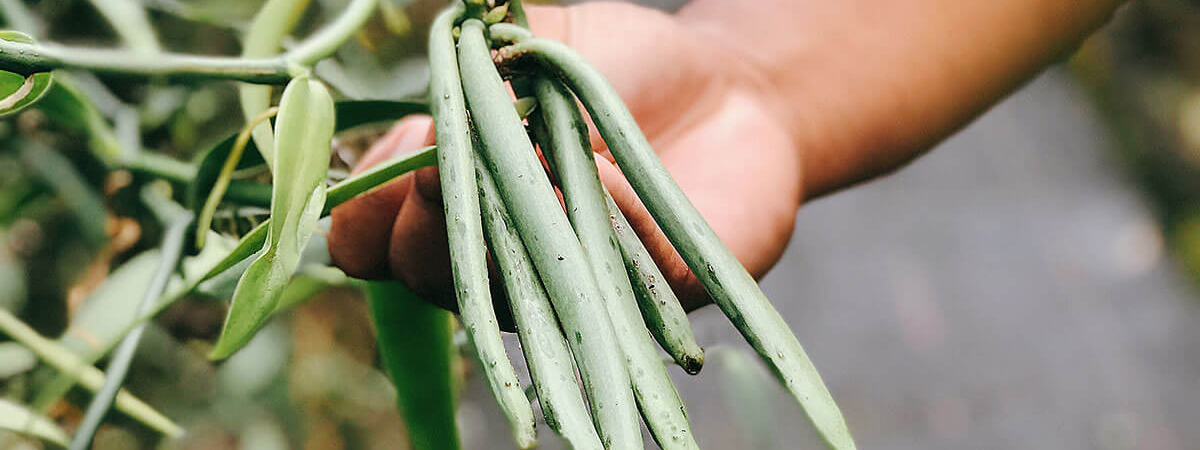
<point x="873" y="83"/>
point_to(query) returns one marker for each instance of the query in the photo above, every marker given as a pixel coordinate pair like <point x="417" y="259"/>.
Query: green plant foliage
<point x="303" y="136"/>
<point x="57" y="172"/>
<point x="415" y="342"/>
<point x="266" y="33"/>
<point x="19" y="91"/>
<point x="349" y="114"/>
<point x="90" y="377"/>
<point x="68" y="107"/>
<point x="172" y="247"/>
<point x="19" y="419"/>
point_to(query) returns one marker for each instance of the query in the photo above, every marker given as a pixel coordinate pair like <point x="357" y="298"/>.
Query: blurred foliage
<point x="312" y="378"/>
<point x="1143" y="71"/>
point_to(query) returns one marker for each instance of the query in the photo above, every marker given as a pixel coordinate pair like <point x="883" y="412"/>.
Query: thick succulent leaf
<point x="304" y="129"/>
<point x="19" y="91"/>
<point x="19" y="419"/>
<point x="416" y="344"/>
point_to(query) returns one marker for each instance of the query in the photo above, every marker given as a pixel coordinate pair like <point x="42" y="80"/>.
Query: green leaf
<point x="266" y="33"/>
<point x="97" y="326"/>
<point x="19" y="91"/>
<point x="19" y="419"/>
<point x="15" y="359"/>
<point x="302" y="142"/>
<point x="56" y="171"/>
<point x="350" y="114"/>
<point x="173" y="242"/>
<point x="749" y="392"/>
<point x="209" y="169"/>
<point x="416" y="344"/>
<point x="104" y="316"/>
<point x="66" y="106"/>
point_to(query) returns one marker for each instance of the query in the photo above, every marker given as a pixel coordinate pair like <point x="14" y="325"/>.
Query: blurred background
<point x="1031" y="283"/>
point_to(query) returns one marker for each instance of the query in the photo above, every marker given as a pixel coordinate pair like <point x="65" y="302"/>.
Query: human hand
<point x="749" y="114"/>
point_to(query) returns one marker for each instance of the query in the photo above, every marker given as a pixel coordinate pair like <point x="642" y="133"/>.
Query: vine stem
<point x="172" y="254"/>
<point x="182" y="173"/>
<point x="224" y="177"/>
<point x="65" y="361"/>
<point x="26" y="59"/>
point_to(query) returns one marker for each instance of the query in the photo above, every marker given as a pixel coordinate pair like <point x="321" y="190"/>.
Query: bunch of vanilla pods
<point x="585" y="294"/>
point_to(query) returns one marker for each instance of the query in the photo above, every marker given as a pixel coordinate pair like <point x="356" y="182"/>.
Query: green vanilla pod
<point x="464" y="229"/>
<point x="661" y="309"/>
<point x="552" y="244"/>
<point x="545" y="348"/>
<point x="722" y="275"/>
<point x="564" y="141"/>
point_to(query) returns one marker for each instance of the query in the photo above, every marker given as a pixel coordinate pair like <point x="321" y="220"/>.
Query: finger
<point x="679" y="276"/>
<point x="419" y="250"/>
<point x="361" y="226"/>
<point x="418" y="253"/>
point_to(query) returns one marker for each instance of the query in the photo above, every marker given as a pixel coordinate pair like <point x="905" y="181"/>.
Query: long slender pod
<point x="551" y="242"/>
<point x="723" y="277"/>
<point x="416" y="345"/>
<point x="564" y="140"/>
<point x="468" y="255"/>
<point x="545" y="348"/>
<point x="661" y="309"/>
